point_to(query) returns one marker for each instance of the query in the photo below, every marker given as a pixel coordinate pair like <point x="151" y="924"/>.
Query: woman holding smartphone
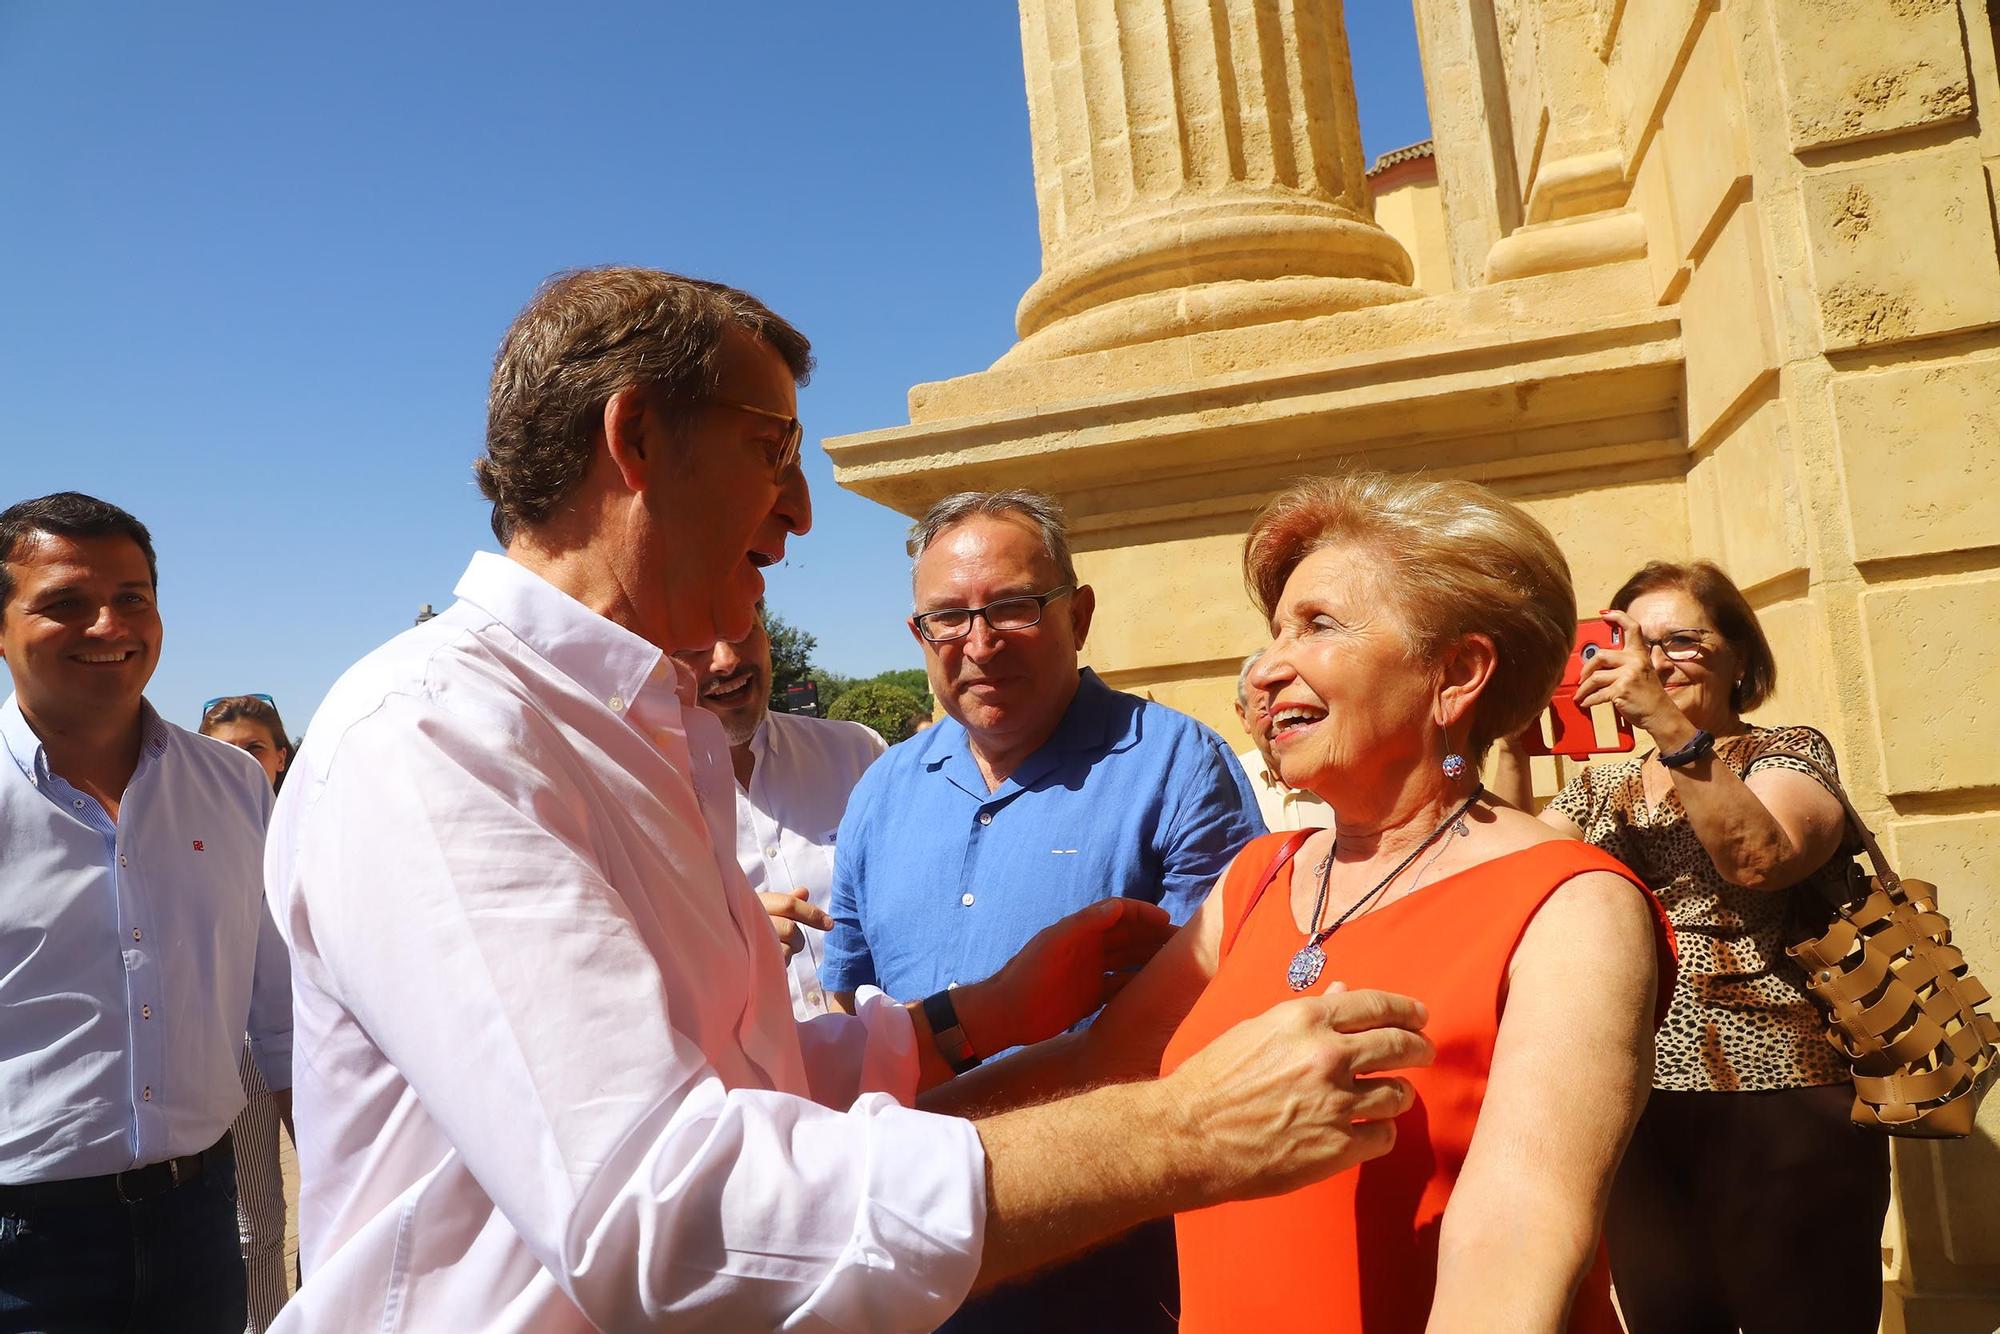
<point x="1747" y="1199"/>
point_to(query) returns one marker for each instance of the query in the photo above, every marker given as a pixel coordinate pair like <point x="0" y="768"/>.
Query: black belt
<point x="141" y="1183"/>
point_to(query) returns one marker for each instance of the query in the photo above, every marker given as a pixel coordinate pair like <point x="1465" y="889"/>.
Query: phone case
<point x="1570" y="727"/>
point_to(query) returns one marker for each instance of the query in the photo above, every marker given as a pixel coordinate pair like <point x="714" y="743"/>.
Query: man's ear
<point x="910" y="623"/>
<point x="627" y="415"/>
<point x="1082" y="606"/>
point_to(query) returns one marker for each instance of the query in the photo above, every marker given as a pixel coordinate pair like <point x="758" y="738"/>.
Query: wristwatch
<point x="947" y="1033"/>
<point x="1698" y="745"/>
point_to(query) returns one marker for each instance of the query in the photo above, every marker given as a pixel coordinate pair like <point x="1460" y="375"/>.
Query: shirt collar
<point x="1083" y="726"/>
<point x="603" y="657"/>
<point x="32" y="757"/>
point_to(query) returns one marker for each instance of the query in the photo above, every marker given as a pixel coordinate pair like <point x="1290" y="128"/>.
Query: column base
<point x="1202" y="308"/>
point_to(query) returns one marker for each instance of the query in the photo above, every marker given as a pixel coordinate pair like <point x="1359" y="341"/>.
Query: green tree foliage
<point x="791" y="658"/>
<point x="912" y="679"/>
<point x="886" y="708"/>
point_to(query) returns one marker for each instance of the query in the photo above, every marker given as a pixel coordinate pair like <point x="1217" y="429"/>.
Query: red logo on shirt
<point x="198" y="847"/>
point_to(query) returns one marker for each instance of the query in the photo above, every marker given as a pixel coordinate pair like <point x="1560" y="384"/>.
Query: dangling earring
<point x="1454" y="766"/>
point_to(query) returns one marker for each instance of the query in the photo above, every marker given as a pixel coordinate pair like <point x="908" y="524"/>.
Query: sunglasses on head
<point x="209" y="704"/>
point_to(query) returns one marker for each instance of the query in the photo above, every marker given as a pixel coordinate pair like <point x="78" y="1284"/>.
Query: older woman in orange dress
<point x="1412" y="623"/>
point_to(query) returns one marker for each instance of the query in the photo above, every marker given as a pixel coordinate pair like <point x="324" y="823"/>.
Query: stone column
<point x="1197" y="166"/>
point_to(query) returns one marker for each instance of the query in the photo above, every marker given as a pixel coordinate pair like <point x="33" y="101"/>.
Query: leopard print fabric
<point x="1740" y="1018"/>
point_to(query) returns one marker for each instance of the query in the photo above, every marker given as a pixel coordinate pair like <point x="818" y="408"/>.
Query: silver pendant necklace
<point x="1310" y="961"/>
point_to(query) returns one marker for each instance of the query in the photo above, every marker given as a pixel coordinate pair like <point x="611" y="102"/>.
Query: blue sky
<point x="257" y="257"/>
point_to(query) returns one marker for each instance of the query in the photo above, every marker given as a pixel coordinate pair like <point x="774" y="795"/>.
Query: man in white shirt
<point x="793" y="774"/>
<point x="1283" y="807"/>
<point x="550" y="1079"/>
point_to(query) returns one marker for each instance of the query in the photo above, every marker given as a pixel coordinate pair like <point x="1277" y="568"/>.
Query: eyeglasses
<point x="949" y="623"/>
<point x="1679" y="645"/>
<point x="795" y="433"/>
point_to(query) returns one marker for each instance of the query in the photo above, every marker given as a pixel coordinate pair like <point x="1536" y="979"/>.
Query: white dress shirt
<point x="549" y="1080"/>
<point x="1285" y="809"/>
<point x="786" y="822"/>
<point x="133" y="955"/>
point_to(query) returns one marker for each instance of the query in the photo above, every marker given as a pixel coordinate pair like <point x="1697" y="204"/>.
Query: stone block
<point x="1607" y="532"/>
<point x="1857" y="69"/>
<point x="1931" y="648"/>
<point x="1651" y="36"/>
<point x="1702" y="133"/>
<point x="1726" y="324"/>
<point x="1200" y="578"/>
<point x="1902" y="247"/>
<point x="1743" y="501"/>
<point x="1798" y="638"/>
<point x="1955" y="853"/>
<point x="1920" y="449"/>
<point x="1652" y="195"/>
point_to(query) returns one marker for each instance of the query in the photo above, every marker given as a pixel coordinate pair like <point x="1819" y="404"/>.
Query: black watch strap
<point x="947" y="1033"/>
<point x="1699" y="745"/>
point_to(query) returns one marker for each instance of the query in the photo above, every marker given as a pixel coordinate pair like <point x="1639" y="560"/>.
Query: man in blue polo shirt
<point x="1043" y="791"/>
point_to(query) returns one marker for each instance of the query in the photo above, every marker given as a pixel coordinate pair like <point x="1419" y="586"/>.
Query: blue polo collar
<point x="1085" y="725"/>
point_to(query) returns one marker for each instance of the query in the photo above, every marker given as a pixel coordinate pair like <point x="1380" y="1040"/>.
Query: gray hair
<point x="1043" y="511"/>
<point x="1243" y="679"/>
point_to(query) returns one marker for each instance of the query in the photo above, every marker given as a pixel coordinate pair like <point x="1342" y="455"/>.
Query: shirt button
<point x="966" y="898"/>
<point x="135" y="933"/>
<point x="771" y="851"/>
<point x="145" y="1012"/>
<point x="121" y="859"/>
<point x="986" y="817"/>
<point x="617" y="703"/>
<point x="147" y="1094"/>
<point x="78" y="803"/>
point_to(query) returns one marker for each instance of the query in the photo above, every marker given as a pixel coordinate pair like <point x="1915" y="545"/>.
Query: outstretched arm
<point x="1124" y="1044"/>
<point x="1571" y="1068"/>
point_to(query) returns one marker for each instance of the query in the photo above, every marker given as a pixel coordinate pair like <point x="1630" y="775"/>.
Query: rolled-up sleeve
<point x="459" y="909"/>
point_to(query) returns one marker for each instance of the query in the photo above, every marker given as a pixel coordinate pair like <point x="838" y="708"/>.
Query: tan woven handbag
<point x="1898" y="1000"/>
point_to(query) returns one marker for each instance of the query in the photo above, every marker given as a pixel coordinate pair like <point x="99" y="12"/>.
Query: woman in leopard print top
<point x="1746" y="1199"/>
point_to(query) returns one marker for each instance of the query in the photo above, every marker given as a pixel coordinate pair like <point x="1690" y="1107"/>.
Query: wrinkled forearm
<point x="1737" y="831"/>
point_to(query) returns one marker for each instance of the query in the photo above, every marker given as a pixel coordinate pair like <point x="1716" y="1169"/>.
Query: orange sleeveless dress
<point x="1357" y="1253"/>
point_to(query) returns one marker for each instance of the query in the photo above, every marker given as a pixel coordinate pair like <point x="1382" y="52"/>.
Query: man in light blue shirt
<point x="1042" y="792"/>
<point x="135" y="950"/>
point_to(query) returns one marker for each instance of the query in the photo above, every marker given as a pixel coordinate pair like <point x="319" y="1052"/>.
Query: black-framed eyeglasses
<point x="1679" y="645"/>
<point x="209" y="704"/>
<point x="795" y="432"/>
<point x="1003" y="614"/>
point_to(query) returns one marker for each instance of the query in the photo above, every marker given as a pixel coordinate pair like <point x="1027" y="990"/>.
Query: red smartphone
<point x="1571" y="731"/>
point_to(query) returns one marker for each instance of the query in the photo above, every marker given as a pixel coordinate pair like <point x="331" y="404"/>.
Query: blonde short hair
<point x="1455" y="558"/>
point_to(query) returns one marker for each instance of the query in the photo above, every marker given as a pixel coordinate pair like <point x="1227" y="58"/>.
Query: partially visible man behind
<point x="1283" y="807"/>
<point x="1043" y="791"/>
<point x="793" y="774"/>
<point x="556" y="1084"/>
<point x="135" y="951"/>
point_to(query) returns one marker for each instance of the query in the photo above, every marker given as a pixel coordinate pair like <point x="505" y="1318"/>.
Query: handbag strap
<point x="1876" y="857"/>
<point x="1286" y="851"/>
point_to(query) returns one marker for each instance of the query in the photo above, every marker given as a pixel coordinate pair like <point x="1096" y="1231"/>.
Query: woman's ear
<point x="1462" y="677"/>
